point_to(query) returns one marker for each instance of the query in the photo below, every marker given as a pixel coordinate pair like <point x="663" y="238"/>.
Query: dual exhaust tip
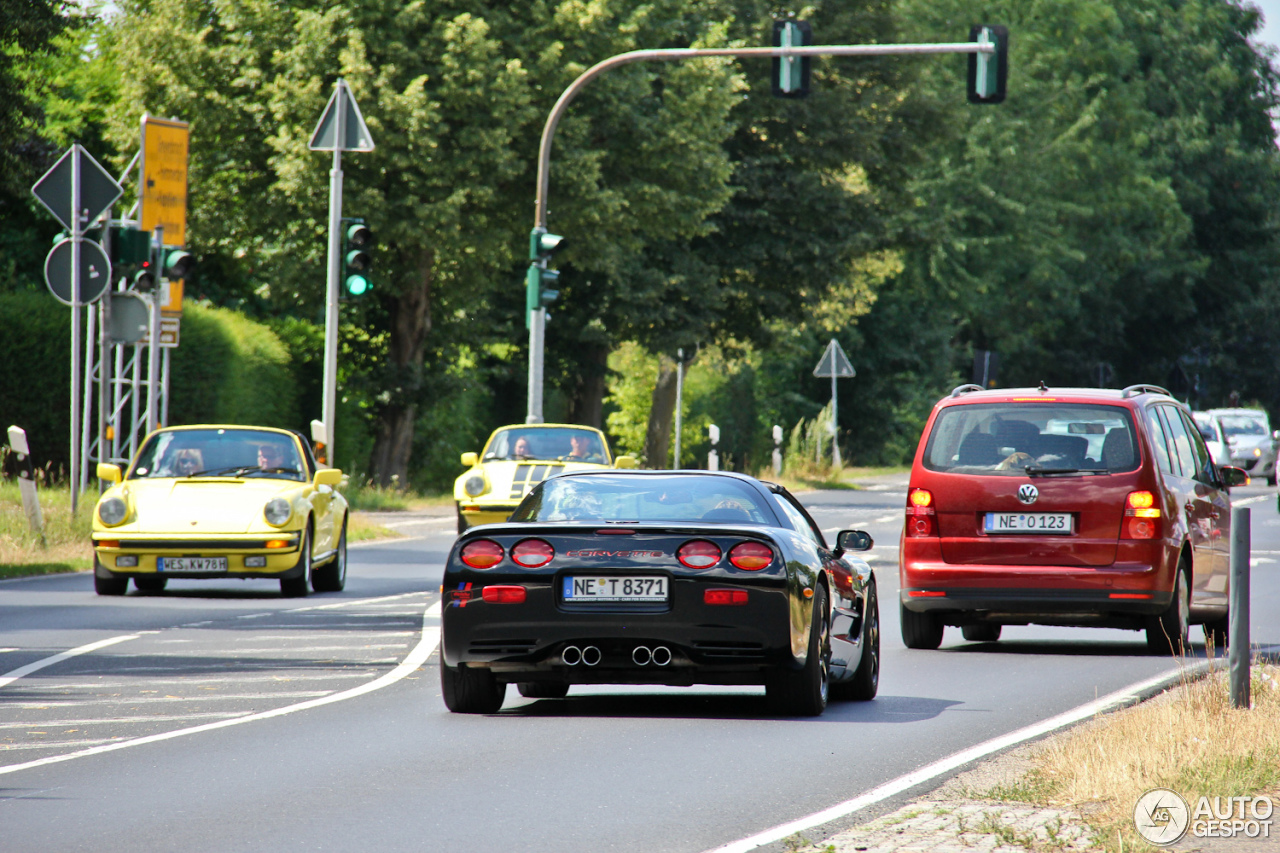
<point x="641" y="656"/>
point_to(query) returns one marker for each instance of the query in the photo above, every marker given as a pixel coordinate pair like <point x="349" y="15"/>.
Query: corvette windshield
<point x="219" y="453"/>
<point x="641" y="498"/>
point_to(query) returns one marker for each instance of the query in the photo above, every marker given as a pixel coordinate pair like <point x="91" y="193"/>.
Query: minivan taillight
<point x="1141" y="516"/>
<point x="921" y="518"/>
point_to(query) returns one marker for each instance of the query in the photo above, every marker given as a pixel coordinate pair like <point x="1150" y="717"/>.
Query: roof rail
<point x="965" y="389"/>
<point x="1144" y="389"/>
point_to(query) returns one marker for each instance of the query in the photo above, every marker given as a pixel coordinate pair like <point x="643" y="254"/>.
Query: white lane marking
<point x="52" y="704"/>
<point x="382" y="599"/>
<point x="11" y="649"/>
<point x="102" y="721"/>
<point x="1252" y="500"/>
<point x="288" y="650"/>
<point x="187" y="681"/>
<point x="415" y="658"/>
<point x="14" y="674"/>
<point x="1110" y="702"/>
<point x="54" y="744"/>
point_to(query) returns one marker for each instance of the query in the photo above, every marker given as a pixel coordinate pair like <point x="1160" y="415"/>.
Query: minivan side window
<point x="1205" y="472"/>
<point x="1159" y="442"/>
<point x="1181" y="443"/>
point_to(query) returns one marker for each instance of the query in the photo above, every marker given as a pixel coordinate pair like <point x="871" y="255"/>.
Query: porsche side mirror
<point x="469" y="460"/>
<point x="1234" y="476"/>
<point x="626" y="462"/>
<point x="107" y="471"/>
<point x="854" y="540"/>
<point x="328" y="477"/>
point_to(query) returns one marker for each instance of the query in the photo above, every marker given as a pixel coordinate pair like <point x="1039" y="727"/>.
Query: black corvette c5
<point x="658" y="577"/>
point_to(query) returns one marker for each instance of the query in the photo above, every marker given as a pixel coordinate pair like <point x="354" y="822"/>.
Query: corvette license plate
<point x="579" y="589"/>
<point x="1028" y="522"/>
<point x="191" y="564"/>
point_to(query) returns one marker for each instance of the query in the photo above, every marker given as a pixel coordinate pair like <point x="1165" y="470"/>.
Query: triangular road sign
<point x="355" y="135"/>
<point x="834" y="363"/>
<point x="98" y="190"/>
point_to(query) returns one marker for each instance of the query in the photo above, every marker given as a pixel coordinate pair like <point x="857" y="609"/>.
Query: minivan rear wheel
<point x="1167" y="633"/>
<point x="919" y="630"/>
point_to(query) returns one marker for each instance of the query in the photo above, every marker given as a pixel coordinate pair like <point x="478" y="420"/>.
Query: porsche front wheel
<point x="298" y="587"/>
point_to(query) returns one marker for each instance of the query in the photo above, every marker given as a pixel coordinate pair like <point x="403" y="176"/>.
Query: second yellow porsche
<point x="516" y="458"/>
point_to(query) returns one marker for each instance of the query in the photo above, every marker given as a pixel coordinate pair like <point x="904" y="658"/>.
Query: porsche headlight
<point x="277" y="511"/>
<point x="112" y="511"/>
<point x="474" y="485"/>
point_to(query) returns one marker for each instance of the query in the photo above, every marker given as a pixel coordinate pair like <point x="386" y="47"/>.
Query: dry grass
<point x="65" y="546"/>
<point x="1189" y="740"/>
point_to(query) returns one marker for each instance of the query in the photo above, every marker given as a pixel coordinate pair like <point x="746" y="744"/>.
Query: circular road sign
<point x="95" y="271"/>
<point x="130" y="318"/>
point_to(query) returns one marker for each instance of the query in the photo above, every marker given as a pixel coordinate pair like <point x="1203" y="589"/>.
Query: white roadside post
<point x="834" y="363"/>
<point x="341" y="128"/>
<point x="777" y="450"/>
<point x="713" y="458"/>
<point x="679" y="402"/>
<point x="1238" y="651"/>
<point x="27" y="480"/>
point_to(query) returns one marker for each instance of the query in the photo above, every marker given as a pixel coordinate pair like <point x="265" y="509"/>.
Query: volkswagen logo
<point x="1028" y="493"/>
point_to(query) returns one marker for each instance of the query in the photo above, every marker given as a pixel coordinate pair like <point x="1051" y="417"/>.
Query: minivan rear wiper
<point x="1037" y="471"/>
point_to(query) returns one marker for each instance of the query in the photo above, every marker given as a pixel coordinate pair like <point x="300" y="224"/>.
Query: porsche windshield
<point x="219" y="453"/>
<point x="644" y="498"/>
<point x="547" y="443"/>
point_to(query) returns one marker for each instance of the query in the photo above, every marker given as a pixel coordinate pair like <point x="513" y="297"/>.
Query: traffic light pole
<point x="537" y="319"/>
<point x="329" y="408"/>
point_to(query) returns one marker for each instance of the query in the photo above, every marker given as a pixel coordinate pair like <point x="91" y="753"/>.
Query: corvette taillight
<point x="698" y="554"/>
<point x="532" y="553"/>
<point x="503" y="594"/>
<point x="750" y="556"/>
<point x="1141" y="516"/>
<point x="481" y="554"/>
<point x="921" y="518"/>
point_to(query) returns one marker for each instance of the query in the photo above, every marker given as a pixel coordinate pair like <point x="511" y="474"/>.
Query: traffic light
<point x="177" y="263"/>
<point x="539" y="281"/>
<point x="791" y="74"/>
<point x="357" y="263"/>
<point x="129" y="246"/>
<point x="989" y="72"/>
<point x="144" y="280"/>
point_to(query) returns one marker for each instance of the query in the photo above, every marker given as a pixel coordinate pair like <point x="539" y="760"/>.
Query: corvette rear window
<point x="1014" y="439"/>
<point x="643" y="498"/>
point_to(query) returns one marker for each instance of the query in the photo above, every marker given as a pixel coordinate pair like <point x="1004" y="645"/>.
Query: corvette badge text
<point x="1163" y="817"/>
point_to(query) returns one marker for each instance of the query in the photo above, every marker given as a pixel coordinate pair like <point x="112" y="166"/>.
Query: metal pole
<point x="153" y="341"/>
<point x="329" y="407"/>
<point x="1238" y="631"/>
<point x="678" y="54"/>
<point x="164" y="386"/>
<point x="537" y="333"/>
<point x="86" y="409"/>
<point x="679" y="401"/>
<point x="77" y="234"/>
<point x="835" y="421"/>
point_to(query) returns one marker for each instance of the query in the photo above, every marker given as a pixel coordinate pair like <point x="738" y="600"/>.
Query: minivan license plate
<point x="191" y="564"/>
<point x="593" y="589"/>
<point x="1028" y="522"/>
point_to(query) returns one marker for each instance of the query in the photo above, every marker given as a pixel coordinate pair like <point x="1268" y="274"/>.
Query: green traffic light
<point x="177" y="264"/>
<point x="357" y="285"/>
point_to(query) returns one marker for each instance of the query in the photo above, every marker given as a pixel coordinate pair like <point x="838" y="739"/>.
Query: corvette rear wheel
<point x="919" y="630"/>
<point x="866" y="678"/>
<point x="299" y="587"/>
<point x="542" y="690"/>
<point x="332" y="576"/>
<point x="471" y="691"/>
<point x="107" y="586"/>
<point x="804" y="693"/>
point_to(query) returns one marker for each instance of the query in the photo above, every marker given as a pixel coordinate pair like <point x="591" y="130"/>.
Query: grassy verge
<point x="1189" y="740"/>
<point x="824" y="478"/>
<point x="65" y="544"/>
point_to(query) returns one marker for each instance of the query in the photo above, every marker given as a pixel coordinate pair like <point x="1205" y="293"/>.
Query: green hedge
<point x="228" y="369"/>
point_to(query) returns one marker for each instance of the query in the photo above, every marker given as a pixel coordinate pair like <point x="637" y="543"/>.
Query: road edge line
<point x="14" y="674"/>
<point x="1122" y="698"/>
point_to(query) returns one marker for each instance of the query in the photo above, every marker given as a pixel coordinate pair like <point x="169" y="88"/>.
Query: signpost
<point x="834" y="363"/>
<point x="341" y="128"/>
<point x="163" y="194"/>
<point x="77" y="190"/>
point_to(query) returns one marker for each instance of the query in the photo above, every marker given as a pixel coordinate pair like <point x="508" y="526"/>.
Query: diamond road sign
<point x="834" y="363"/>
<point x="95" y="271"/>
<point x="57" y="190"/>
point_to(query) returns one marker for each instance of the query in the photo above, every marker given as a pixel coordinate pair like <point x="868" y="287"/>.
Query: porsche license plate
<point x="191" y="564"/>
<point x="1028" y="522"/>
<point x="580" y="589"/>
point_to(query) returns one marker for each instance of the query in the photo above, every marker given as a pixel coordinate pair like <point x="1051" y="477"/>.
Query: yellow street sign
<point x="172" y="292"/>
<point x="164" y="178"/>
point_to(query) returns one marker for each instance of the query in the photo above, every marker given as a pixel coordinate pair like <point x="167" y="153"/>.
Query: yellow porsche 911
<point x="517" y="458"/>
<point x="221" y="502"/>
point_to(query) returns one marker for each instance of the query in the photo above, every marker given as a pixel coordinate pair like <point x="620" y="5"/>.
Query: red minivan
<point x="1073" y="506"/>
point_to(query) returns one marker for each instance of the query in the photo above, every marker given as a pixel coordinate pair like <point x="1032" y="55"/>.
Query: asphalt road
<point x="218" y="717"/>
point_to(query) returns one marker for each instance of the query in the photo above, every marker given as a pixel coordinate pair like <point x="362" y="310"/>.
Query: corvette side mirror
<point x="854" y="540"/>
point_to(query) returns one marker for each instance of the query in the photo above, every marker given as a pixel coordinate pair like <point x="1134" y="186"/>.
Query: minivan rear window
<point x="1017" y="439"/>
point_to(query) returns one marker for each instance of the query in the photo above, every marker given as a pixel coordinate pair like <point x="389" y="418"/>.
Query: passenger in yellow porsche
<point x="583" y="447"/>
<point x="522" y="449"/>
